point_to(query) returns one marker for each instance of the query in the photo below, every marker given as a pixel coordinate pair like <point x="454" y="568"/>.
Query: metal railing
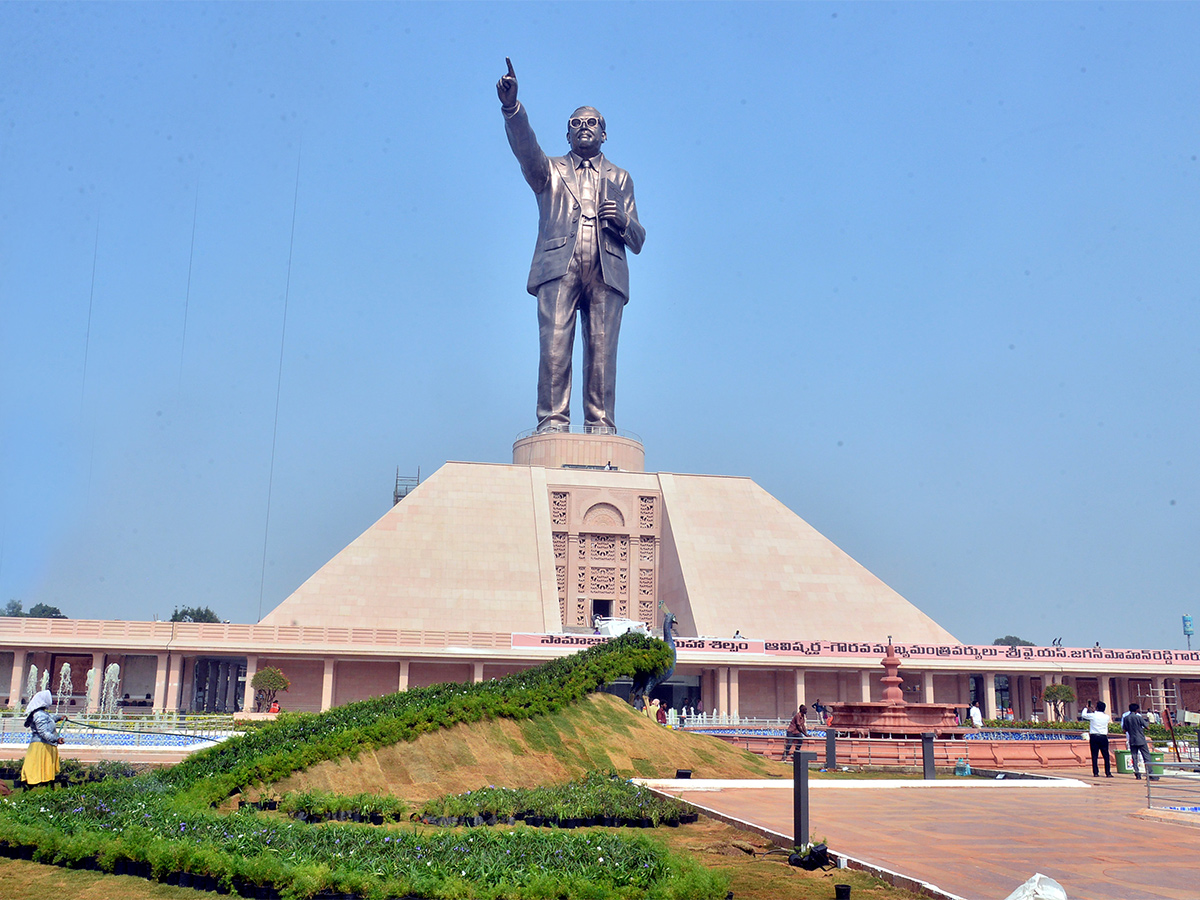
<point x="160" y="727"/>
<point x="1177" y="788"/>
<point x="726" y="720"/>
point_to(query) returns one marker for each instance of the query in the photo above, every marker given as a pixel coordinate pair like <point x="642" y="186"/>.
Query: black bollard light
<point x="830" y="748"/>
<point x="930" y="772"/>
<point x="800" y="763"/>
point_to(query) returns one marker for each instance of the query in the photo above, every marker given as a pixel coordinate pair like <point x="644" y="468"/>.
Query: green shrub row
<point x="600" y="798"/>
<point x="1154" y="732"/>
<point x="139" y="823"/>
<point x="316" y="805"/>
<point x="72" y="771"/>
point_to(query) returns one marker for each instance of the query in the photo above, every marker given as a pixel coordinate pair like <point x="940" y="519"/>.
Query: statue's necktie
<point x="587" y="188"/>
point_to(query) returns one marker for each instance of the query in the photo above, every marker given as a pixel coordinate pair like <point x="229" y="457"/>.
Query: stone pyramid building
<point x="548" y="543"/>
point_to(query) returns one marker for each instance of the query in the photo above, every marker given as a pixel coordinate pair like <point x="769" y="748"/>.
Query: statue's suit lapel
<point x="566" y="171"/>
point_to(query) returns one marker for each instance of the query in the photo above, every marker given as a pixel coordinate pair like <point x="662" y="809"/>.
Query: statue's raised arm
<point x="506" y="87"/>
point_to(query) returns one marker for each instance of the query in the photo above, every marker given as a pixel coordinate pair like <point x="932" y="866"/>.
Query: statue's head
<point x="585" y="131"/>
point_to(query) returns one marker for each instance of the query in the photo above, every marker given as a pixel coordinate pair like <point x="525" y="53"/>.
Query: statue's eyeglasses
<point x="590" y="122"/>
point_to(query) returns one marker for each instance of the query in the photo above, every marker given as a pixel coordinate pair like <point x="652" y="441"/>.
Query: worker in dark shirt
<point x="797" y="731"/>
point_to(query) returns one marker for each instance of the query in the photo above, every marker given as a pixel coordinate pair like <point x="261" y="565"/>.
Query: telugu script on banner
<point x="853" y="649"/>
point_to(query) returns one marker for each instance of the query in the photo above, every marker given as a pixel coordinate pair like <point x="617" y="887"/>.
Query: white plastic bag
<point x="1039" y="887"/>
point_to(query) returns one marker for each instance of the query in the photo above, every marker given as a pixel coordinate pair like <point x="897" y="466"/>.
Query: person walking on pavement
<point x="1098" y="737"/>
<point x="1134" y="725"/>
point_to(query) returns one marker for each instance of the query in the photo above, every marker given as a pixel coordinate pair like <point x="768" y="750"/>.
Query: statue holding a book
<point x="587" y="218"/>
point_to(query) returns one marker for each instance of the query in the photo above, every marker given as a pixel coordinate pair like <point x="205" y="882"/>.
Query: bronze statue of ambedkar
<point x="587" y="218"/>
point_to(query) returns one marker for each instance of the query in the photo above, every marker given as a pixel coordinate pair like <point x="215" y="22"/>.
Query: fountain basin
<point x="883" y="718"/>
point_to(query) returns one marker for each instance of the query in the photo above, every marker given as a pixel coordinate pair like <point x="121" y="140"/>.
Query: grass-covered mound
<point x="162" y="824"/>
<point x="599" y="733"/>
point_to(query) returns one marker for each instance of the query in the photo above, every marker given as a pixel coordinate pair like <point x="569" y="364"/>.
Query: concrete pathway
<point x="981" y="839"/>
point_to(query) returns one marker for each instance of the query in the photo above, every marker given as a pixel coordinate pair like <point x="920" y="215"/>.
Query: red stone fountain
<point x="892" y="715"/>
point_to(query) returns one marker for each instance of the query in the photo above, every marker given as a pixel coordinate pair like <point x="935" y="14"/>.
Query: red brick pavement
<point x="981" y="842"/>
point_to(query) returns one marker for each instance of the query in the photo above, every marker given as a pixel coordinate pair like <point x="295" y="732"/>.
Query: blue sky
<point x="928" y="273"/>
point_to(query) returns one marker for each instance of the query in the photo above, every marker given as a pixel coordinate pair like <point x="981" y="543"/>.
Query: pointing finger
<point x="511" y="73"/>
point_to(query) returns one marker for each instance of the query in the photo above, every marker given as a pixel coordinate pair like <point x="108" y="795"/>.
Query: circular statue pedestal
<point x="580" y="450"/>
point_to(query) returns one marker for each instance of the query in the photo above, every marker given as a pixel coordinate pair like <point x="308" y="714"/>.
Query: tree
<point x="1056" y="695"/>
<point x="13" y="609"/>
<point x="194" y="614"/>
<point x="45" y="611"/>
<point x="1011" y="640"/>
<point x="266" y="683"/>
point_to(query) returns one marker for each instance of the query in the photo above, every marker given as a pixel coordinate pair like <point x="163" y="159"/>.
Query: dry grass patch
<point x="34" y="881"/>
<point x="763" y="875"/>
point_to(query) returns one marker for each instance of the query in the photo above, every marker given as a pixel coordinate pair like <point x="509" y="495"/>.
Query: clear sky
<point x="929" y="273"/>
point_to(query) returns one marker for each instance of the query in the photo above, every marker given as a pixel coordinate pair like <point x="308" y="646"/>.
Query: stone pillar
<point x="733" y="691"/>
<point x="926" y="686"/>
<point x="212" y="674"/>
<point x="160" y="681"/>
<point x="800" y="690"/>
<point x="708" y="691"/>
<point x="174" y="682"/>
<point x="1105" y="693"/>
<point x="232" y="689"/>
<point x="964" y="689"/>
<point x="403" y="682"/>
<point x="989" y="695"/>
<point x="1026" y="695"/>
<point x="327" y="684"/>
<point x="199" y="677"/>
<point x="864" y="685"/>
<point x="477" y="674"/>
<point x="17" y="681"/>
<point x="722" y="705"/>
<point x="248" y="696"/>
<point x="1158" y="687"/>
<point x="222" y="686"/>
<point x="93" y="700"/>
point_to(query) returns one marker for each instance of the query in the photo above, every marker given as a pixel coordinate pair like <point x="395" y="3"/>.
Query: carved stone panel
<point x="605" y="549"/>
<point x="646" y="548"/>
<point x="603" y="517"/>
<point x="558" y="508"/>
<point x="646" y="507"/>
<point x="603" y="581"/>
<point x="645" y="582"/>
<point x="602" y="546"/>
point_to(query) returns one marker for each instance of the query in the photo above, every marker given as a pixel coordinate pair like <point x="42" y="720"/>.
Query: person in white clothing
<point x="1098" y="737"/>
<point x="976" y="714"/>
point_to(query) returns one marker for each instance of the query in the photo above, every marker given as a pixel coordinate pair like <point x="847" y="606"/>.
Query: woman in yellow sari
<point x="41" y="759"/>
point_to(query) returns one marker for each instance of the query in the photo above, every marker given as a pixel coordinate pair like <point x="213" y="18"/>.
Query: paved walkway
<point x="981" y="839"/>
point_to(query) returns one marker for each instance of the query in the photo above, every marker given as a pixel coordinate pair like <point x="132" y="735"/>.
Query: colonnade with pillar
<point x="223" y="683"/>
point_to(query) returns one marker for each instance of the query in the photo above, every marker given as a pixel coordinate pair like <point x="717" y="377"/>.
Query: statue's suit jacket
<point x="554" y="181"/>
